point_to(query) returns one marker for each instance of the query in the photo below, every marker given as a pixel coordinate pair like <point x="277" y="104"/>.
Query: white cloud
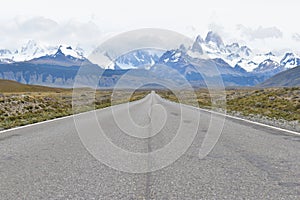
<point x="216" y="28"/>
<point x="35" y="24"/>
<point x="296" y="37"/>
<point x="260" y="32"/>
<point x="85" y="22"/>
<point x="19" y="30"/>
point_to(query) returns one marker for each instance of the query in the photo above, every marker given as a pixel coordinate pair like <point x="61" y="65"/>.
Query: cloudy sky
<point x="262" y="25"/>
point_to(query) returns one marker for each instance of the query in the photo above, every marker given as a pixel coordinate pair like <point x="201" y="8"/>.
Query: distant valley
<point x="288" y="78"/>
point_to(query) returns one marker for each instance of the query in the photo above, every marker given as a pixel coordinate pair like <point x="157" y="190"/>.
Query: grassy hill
<point x="8" y="86"/>
<point x="288" y="78"/>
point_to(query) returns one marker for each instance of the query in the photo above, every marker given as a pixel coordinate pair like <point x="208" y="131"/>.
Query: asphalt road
<point x="49" y="161"/>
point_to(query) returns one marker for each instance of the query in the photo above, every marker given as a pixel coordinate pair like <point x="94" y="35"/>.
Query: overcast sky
<point x="262" y="25"/>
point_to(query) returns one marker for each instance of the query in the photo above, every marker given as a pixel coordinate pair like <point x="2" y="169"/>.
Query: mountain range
<point x="33" y="50"/>
<point x="58" y="65"/>
<point x="235" y="55"/>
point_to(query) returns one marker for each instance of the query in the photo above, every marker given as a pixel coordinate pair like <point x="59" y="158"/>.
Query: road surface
<point x="49" y="161"/>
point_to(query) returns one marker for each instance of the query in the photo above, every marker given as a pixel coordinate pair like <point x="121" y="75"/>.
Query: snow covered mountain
<point x="69" y="51"/>
<point x="268" y="66"/>
<point x="33" y="50"/>
<point x="214" y="42"/>
<point x="4" y="52"/>
<point x="237" y="56"/>
<point x="5" y="56"/>
<point x="212" y="47"/>
<point x="237" y="64"/>
<point x="290" y="60"/>
<point x="64" y="56"/>
<point x="142" y="59"/>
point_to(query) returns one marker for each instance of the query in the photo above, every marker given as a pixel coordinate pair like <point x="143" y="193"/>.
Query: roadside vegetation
<point x="274" y="103"/>
<point x="23" y="104"/>
<point x="275" y="106"/>
<point x="22" y="108"/>
<point x="26" y="104"/>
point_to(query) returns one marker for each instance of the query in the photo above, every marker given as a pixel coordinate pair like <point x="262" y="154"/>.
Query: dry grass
<point x="274" y="103"/>
<point x="24" y="104"/>
<point x="18" y="109"/>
